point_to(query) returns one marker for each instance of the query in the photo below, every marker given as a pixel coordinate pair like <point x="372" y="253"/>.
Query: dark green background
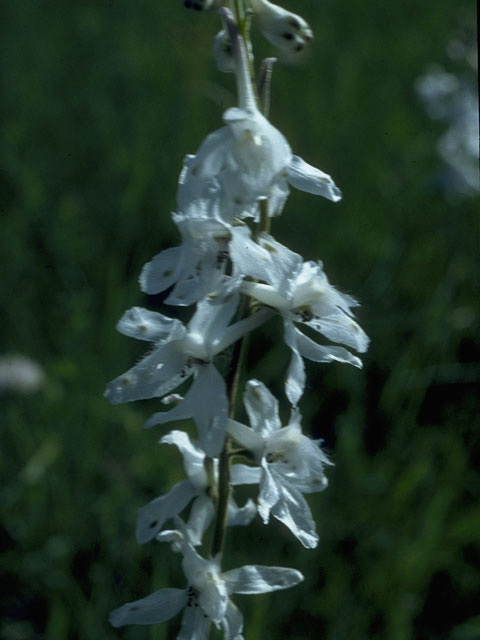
<point x="101" y="100"/>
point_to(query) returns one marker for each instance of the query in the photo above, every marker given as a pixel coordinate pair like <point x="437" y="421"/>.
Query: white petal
<point x="252" y="579"/>
<point x="262" y="408"/>
<point x="243" y="474"/>
<point x="148" y="325"/>
<point x="270" y="492"/>
<point x="241" y="328"/>
<point x="212" y="410"/>
<point x="266" y="259"/>
<point x="341" y="328"/>
<point x="155" y="375"/>
<point x="207" y="403"/>
<point x="232" y="623"/>
<point x="209" y="322"/>
<point x="195" y="624"/>
<point x="295" y="380"/>
<point x="193" y="457"/>
<point x="162" y="271"/>
<point x="153" y="515"/>
<point x="303" y="176"/>
<point x="266" y="294"/>
<point x="241" y="517"/>
<point x="157" y="607"/>
<point x="293" y="510"/>
<point x="201" y="514"/>
<point x="246" y="436"/>
<point x="206" y="276"/>
<point x="213" y="598"/>
<point x="320" y="353"/>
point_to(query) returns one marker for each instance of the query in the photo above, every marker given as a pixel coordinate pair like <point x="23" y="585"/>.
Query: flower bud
<point x="282" y="28"/>
<point x="200" y="5"/>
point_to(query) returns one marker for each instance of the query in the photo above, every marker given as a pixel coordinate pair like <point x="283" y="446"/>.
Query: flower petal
<point x="293" y="510"/>
<point x="264" y="259"/>
<point x="153" y="515"/>
<point x="163" y="270"/>
<point x="241" y="328"/>
<point x="303" y="176"/>
<point x="341" y="328"/>
<point x="157" y="607"/>
<point x="270" y="492"/>
<point x="195" y="624"/>
<point x="232" y="623"/>
<point x="252" y="579"/>
<point x="193" y="457"/>
<point x="324" y="353"/>
<point x="243" y="474"/>
<point x="201" y="514"/>
<point x="241" y="516"/>
<point x="149" y="325"/>
<point x="262" y="408"/>
<point x="245" y="436"/>
<point x="206" y="402"/>
<point x="295" y="380"/>
<point x="155" y="375"/>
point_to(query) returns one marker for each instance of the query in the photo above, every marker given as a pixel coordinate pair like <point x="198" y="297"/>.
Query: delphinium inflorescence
<point x="235" y="276"/>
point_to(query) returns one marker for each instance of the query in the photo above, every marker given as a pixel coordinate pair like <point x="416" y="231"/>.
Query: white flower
<point x="246" y="161"/>
<point x="282" y="28"/>
<point x="153" y="515"/>
<point x="196" y="267"/>
<point x="181" y="352"/>
<point x="311" y="300"/>
<point x="206" y="597"/>
<point x="291" y="464"/>
<point x="20" y="374"/>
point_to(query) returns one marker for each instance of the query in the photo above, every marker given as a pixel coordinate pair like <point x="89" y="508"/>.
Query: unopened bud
<point x="200" y="5"/>
<point x="282" y="28"/>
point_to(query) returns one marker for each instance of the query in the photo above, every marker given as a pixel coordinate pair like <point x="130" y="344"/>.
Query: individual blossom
<point x="246" y="161"/>
<point x="311" y="300"/>
<point x="182" y="352"/>
<point x="195" y="489"/>
<point x="284" y="29"/>
<point x="291" y="464"/>
<point x="196" y="267"/>
<point x="206" y="597"/>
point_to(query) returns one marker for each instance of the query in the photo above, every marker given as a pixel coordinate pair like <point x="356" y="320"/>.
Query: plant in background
<point x="238" y="277"/>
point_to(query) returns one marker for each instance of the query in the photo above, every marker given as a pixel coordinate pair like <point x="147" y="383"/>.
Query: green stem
<point x="223" y="485"/>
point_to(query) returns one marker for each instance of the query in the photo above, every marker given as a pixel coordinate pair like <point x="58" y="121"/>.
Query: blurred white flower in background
<point x="453" y="97"/>
<point x="20" y="374"/>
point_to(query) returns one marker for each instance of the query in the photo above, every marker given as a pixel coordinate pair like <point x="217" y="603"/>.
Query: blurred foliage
<point x="101" y="100"/>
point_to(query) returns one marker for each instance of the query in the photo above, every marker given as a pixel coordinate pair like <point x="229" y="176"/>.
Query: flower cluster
<point x="236" y="276"/>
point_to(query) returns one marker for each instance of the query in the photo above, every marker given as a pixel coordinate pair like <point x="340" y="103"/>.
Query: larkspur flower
<point x="246" y="161"/>
<point x="182" y="352"/>
<point x="206" y="597"/>
<point x="197" y="266"/>
<point x="311" y="300"/>
<point x="291" y="464"/>
<point x="152" y="517"/>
